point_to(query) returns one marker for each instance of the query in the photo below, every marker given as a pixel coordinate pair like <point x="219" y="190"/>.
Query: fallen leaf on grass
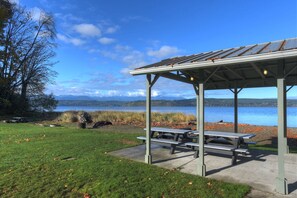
<point x="127" y="142"/>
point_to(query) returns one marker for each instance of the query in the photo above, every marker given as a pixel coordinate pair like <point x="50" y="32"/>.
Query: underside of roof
<point x="256" y="65"/>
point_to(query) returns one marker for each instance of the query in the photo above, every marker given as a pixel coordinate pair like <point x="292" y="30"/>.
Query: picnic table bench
<point x="172" y="137"/>
<point x="234" y="143"/>
<point x="172" y="143"/>
<point x="229" y="148"/>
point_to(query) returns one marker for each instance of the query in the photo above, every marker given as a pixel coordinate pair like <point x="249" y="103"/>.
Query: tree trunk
<point x="23" y="101"/>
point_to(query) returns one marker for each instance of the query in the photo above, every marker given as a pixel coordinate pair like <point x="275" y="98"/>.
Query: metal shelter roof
<point x="255" y="65"/>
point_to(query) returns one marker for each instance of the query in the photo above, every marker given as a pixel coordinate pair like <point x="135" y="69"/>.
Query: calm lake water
<point x="249" y="115"/>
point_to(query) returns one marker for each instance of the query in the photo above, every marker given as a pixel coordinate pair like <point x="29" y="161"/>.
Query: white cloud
<point x="164" y="51"/>
<point x="111" y="30"/>
<point x="133" y="59"/>
<point x="106" y="41"/>
<point x="65" y="18"/>
<point x="141" y="92"/>
<point x="86" y="29"/>
<point x="37" y="13"/>
<point x="103" y="93"/>
<point x="112" y="93"/>
<point x="15" y="1"/>
<point x="122" y="48"/>
<point x="126" y="70"/>
<point x="74" y="41"/>
<point x="108" y="54"/>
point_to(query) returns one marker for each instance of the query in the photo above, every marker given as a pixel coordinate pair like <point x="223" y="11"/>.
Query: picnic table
<point x="234" y="143"/>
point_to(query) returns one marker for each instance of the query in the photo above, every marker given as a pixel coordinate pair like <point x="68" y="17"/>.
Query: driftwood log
<point x="101" y="123"/>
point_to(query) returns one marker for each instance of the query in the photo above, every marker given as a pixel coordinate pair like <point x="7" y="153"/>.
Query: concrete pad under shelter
<point x="258" y="170"/>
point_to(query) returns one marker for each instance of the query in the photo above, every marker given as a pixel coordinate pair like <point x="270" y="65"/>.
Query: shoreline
<point x="43" y="116"/>
<point x="175" y="112"/>
<point x="265" y="135"/>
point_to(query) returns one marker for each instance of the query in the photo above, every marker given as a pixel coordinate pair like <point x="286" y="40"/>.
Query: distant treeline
<point x="210" y="102"/>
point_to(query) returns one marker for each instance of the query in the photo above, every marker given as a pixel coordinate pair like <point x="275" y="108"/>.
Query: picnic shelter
<point x="270" y="64"/>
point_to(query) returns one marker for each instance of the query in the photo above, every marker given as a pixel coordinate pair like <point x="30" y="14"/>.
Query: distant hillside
<point x="111" y="98"/>
<point x="210" y="102"/>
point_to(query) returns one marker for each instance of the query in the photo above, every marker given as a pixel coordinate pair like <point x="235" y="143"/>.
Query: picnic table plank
<point x="169" y="130"/>
<point x="226" y="134"/>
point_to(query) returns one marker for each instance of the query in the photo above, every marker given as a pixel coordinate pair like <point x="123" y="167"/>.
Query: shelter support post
<point x="196" y="88"/>
<point x="149" y="84"/>
<point x="236" y="92"/>
<point x="200" y="115"/>
<point x="236" y="110"/>
<point x="282" y="185"/>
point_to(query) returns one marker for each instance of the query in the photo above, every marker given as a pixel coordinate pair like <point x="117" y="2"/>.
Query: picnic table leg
<point x="176" y="136"/>
<point x="234" y="158"/>
<point x="196" y="154"/>
<point x="172" y="149"/>
<point x="235" y="143"/>
<point x="152" y="134"/>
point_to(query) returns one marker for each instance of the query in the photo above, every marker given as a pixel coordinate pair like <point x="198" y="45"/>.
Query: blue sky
<point x="99" y="41"/>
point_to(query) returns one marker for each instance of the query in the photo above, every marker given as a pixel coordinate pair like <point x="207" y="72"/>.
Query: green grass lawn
<point x="68" y="162"/>
<point x="270" y="148"/>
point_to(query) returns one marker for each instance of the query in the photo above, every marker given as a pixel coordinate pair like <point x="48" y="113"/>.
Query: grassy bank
<point x="68" y="162"/>
<point x="128" y="117"/>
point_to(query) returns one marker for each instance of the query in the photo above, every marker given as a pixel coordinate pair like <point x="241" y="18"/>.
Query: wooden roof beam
<point x="213" y="73"/>
<point x="235" y="73"/>
<point x="258" y="70"/>
<point x="176" y="77"/>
